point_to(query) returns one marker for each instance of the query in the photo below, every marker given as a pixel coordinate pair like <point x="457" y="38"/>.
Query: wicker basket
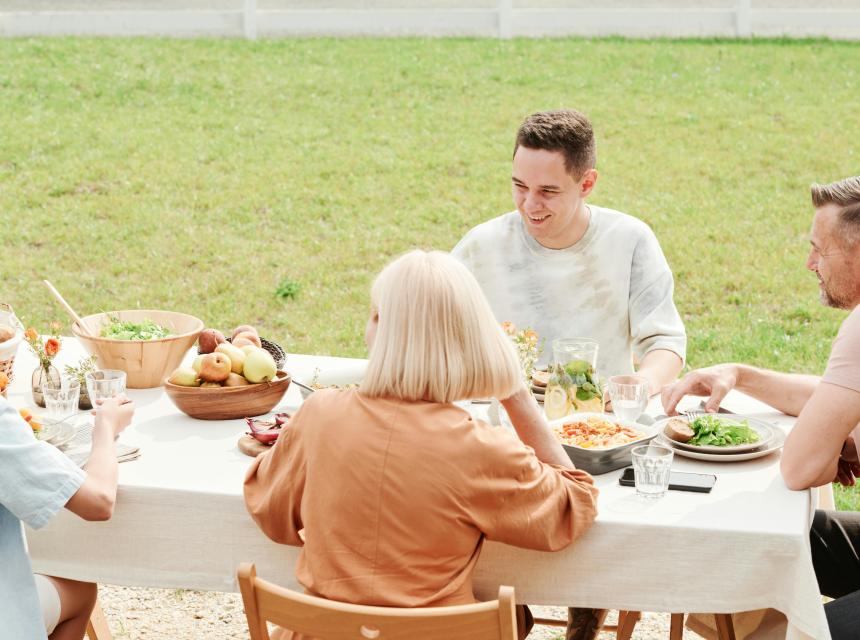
<point x="9" y="348"/>
<point x="275" y="350"/>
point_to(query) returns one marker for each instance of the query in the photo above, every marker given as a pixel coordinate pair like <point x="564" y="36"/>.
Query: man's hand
<point x="848" y="468"/>
<point x="114" y="414"/>
<point x="714" y="382"/>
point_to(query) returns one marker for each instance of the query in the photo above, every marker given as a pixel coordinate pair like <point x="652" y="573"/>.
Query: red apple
<point x="215" y="367"/>
<point x="209" y="339"/>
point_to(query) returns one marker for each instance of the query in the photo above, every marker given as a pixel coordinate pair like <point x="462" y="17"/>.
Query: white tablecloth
<point x="180" y="522"/>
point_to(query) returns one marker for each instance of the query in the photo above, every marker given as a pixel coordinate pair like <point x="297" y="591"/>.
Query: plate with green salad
<point x="717" y="433"/>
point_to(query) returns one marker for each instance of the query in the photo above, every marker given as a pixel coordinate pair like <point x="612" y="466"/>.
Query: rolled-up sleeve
<point x="527" y="503"/>
<point x="36" y="479"/>
<point x="654" y="319"/>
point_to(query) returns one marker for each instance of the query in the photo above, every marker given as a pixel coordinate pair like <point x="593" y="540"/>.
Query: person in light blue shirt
<point x="36" y="481"/>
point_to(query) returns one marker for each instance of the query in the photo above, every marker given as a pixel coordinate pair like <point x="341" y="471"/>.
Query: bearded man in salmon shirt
<point x="821" y="447"/>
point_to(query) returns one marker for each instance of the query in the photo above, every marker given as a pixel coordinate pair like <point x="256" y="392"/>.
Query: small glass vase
<point x="40" y="377"/>
<point x="84" y="403"/>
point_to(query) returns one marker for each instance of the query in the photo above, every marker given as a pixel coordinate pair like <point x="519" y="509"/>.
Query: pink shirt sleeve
<point x="843" y="367"/>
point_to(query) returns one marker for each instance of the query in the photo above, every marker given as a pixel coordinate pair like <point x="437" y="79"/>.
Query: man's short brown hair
<point x="846" y="195"/>
<point x="566" y="131"/>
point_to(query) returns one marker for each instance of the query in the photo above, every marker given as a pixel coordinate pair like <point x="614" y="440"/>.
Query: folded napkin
<point x="79" y="447"/>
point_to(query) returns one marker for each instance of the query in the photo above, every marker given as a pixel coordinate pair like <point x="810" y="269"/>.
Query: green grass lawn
<point x="205" y="175"/>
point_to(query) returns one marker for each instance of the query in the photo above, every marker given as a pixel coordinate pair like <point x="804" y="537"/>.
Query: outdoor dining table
<point x="180" y="522"/>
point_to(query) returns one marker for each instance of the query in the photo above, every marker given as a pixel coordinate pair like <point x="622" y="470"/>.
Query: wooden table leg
<point x="97" y="627"/>
<point x="725" y="628"/>
<point x="626" y="623"/>
<point x="676" y="627"/>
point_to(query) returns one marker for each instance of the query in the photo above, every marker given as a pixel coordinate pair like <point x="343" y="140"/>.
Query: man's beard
<point x="835" y="299"/>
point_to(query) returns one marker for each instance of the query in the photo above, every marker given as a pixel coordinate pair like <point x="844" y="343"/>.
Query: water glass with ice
<point x="61" y="399"/>
<point x="629" y="396"/>
<point x="651" y="466"/>
<point x="104" y="384"/>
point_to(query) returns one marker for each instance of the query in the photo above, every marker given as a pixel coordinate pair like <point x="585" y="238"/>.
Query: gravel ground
<point x="190" y="615"/>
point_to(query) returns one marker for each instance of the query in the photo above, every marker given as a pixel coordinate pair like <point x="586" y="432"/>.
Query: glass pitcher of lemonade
<point x="573" y="383"/>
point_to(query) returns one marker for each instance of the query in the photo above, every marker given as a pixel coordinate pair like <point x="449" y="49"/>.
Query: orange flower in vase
<point x="52" y="347"/>
<point x="45" y="353"/>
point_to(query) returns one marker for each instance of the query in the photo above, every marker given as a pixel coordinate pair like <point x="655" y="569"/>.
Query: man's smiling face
<point x="548" y="197"/>
<point x="836" y="266"/>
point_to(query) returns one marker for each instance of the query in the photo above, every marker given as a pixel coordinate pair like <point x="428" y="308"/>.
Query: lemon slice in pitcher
<point x="594" y="405"/>
<point x="556" y="403"/>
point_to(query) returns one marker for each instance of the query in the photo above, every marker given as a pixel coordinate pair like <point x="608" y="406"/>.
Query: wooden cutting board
<point x="251" y="447"/>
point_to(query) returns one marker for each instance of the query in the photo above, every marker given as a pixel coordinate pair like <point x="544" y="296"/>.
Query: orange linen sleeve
<point x="274" y="486"/>
<point x="524" y="502"/>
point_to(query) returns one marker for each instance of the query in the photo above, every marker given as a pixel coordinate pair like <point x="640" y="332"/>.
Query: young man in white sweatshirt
<point x="570" y="269"/>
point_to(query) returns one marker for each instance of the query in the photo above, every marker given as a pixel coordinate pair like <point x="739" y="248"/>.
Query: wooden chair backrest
<point x="330" y="620"/>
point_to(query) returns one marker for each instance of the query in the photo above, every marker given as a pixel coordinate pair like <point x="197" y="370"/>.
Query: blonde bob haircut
<point x="437" y="339"/>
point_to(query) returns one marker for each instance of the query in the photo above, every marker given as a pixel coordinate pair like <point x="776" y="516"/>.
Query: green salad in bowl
<point x="117" y="329"/>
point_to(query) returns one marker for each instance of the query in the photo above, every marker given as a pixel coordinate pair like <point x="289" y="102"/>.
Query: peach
<point x="253" y="338"/>
<point x="242" y="328"/>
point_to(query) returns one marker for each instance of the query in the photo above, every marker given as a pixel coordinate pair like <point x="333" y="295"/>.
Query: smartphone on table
<point x="678" y="481"/>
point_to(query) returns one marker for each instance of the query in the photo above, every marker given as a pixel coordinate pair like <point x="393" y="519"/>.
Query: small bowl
<point x="229" y="403"/>
<point x="336" y="375"/>
<point x="145" y="362"/>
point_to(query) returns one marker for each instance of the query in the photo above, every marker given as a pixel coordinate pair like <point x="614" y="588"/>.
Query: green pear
<point x="184" y="377"/>
<point x="197" y="362"/>
<point x="260" y="366"/>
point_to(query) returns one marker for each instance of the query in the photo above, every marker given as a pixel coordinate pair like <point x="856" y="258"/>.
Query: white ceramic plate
<point x="59" y="433"/>
<point x="337" y="375"/>
<point x="764" y="430"/>
<point x="775" y="445"/>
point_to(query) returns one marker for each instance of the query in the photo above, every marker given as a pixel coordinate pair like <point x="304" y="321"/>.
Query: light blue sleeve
<point x="36" y="479"/>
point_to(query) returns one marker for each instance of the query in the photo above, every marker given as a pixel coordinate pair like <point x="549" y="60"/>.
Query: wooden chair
<point x="97" y="627"/>
<point x="725" y="627"/>
<point x="627" y="623"/>
<point x="329" y="620"/>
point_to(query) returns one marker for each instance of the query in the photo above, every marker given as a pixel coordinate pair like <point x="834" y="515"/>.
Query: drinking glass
<point x="651" y="466"/>
<point x="629" y="396"/>
<point x="573" y="383"/>
<point x="61" y="399"/>
<point x="104" y="384"/>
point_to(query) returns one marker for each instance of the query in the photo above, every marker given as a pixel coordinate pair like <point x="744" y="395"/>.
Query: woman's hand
<point x="114" y="414"/>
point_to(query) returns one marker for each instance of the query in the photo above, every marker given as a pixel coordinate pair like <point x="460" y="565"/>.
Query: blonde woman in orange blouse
<point x="390" y="488"/>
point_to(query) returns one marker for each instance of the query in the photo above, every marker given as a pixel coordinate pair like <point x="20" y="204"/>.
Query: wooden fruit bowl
<point x="229" y="403"/>
<point x="145" y="362"/>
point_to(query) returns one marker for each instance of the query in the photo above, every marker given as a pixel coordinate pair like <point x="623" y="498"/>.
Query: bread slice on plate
<point x="540" y="378"/>
<point x="679" y="430"/>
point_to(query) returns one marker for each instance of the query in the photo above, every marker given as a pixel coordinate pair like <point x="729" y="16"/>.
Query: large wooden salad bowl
<point x="146" y="362"/>
<point x="228" y="403"/>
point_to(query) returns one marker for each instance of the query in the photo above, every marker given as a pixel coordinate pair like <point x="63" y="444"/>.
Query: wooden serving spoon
<point x="69" y="309"/>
